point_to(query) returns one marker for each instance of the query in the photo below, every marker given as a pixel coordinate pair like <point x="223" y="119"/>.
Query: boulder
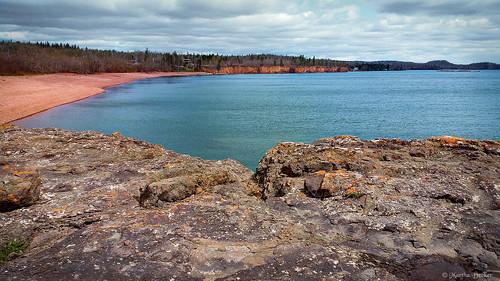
<point x="168" y="190"/>
<point x="18" y="189"/>
<point x="313" y="184"/>
<point x="174" y="184"/>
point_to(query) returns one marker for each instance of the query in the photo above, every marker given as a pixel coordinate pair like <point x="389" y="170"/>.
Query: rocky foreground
<point x="95" y="207"/>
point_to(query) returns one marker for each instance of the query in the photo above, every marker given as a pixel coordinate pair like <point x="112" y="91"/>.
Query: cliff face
<point x="115" y="208"/>
<point x="275" y="69"/>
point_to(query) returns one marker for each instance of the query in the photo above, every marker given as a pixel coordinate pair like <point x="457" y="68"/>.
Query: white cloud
<point x="326" y="28"/>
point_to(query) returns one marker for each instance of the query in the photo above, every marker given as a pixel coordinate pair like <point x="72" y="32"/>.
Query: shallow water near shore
<point x="242" y="116"/>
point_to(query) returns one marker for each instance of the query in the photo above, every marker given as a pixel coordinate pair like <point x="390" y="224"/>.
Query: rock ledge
<point x="95" y="207"/>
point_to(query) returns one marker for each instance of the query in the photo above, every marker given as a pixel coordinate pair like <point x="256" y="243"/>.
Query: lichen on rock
<point x="18" y="187"/>
<point x="115" y="208"/>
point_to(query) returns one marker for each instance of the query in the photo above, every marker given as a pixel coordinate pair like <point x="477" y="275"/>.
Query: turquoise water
<point x="241" y="116"/>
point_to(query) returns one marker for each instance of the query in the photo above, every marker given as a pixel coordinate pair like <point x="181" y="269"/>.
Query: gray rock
<point x="313" y="185"/>
<point x="115" y="208"/>
<point x="168" y="190"/>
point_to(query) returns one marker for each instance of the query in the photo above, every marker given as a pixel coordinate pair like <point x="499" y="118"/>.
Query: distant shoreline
<point x="26" y="95"/>
<point x="23" y="96"/>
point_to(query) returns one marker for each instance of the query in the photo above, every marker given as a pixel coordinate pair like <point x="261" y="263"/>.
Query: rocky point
<point x="96" y="207"/>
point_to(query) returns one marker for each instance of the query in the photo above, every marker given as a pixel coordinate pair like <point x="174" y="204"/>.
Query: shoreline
<point x="24" y="96"/>
<point x="27" y="95"/>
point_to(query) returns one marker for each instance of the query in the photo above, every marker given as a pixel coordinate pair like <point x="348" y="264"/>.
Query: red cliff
<point x="275" y="69"/>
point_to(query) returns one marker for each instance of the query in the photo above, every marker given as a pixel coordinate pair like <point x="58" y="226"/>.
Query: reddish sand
<point x="21" y="96"/>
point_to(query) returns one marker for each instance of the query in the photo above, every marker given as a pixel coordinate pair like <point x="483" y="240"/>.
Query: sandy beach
<point x="22" y="96"/>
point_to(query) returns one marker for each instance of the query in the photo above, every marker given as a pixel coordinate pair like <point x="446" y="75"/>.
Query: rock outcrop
<point x="115" y="208"/>
<point x="181" y="179"/>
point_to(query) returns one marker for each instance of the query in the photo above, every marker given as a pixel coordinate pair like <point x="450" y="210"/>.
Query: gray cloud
<point x="403" y="30"/>
<point x="439" y="8"/>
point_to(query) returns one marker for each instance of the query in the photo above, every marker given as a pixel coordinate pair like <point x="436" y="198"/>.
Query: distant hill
<point x="44" y="57"/>
<point x="434" y="65"/>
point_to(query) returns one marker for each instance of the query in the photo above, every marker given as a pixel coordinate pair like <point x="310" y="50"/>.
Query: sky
<point x="461" y="31"/>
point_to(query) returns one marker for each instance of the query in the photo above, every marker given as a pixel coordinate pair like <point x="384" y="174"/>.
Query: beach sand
<point x="22" y="96"/>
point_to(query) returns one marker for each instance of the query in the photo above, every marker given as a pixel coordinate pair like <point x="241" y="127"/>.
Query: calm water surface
<point x="241" y="116"/>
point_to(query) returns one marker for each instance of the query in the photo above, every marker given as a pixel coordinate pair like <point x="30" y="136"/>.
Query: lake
<point x="242" y="116"/>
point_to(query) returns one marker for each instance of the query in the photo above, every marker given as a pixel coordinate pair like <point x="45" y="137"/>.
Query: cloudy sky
<point x="461" y="31"/>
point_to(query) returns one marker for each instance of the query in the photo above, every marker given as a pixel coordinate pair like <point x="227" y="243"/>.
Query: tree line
<point x="45" y="57"/>
<point x="17" y="58"/>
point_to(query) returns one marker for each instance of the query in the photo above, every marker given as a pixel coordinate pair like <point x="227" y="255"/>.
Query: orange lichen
<point x="233" y="208"/>
<point x="353" y="192"/>
<point x="331" y="175"/>
<point x="320" y="173"/>
<point x="351" y="189"/>
<point x="341" y="172"/>
<point x="447" y="139"/>
<point x="22" y="173"/>
<point x="345" y="137"/>
<point x="59" y="210"/>
<point x="12" y="198"/>
<point x="5" y="126"/>
<point x="137" y="226"/>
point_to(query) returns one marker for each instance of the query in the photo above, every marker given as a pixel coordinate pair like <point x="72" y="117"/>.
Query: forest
<point x="19" y="58"/>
